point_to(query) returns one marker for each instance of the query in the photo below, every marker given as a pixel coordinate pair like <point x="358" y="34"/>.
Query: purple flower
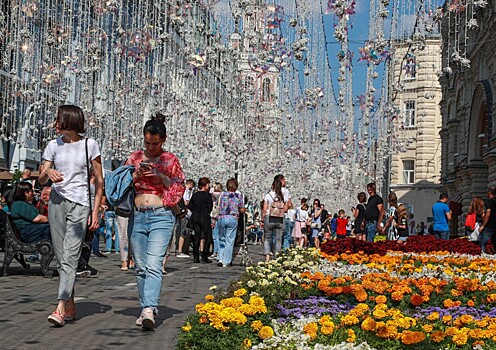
<point x="312" y="306"/>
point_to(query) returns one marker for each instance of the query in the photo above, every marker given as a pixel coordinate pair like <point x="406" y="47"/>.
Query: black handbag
<point x="125" y="206"/>
<point x="190" y="223"/>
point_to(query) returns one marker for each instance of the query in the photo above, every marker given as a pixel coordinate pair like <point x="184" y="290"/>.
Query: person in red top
<point x="342" y="221"/>
<point x="158" y="180"/>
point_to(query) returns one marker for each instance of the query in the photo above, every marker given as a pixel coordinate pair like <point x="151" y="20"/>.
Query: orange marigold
<point x="311" y="329"/>
<point x="416" y="300"/>
<point x="368" y="324"/>
<point x="438" y="336"/>
<point x="470" y="303"/>
<point x="381" y="299"/>
<point x="409" y="337"/>
<point x="361" y="296"/>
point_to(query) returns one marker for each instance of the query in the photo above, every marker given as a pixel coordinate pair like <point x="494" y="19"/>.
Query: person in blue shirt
<point x="441" y="214"/>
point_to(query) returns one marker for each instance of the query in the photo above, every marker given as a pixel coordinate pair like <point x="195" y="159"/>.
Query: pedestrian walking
<point x="374" y="213"/>
<point x="69" y="213"/>
<point x="158" y="181"/>
<point x="441" y="213"/>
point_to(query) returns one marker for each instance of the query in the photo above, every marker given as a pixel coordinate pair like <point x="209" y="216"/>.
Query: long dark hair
<point x="277" y="188"/>
<point x="155" y="126"/>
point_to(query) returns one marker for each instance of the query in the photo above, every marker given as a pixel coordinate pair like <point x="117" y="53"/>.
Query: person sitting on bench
<point x="32" y="226"/>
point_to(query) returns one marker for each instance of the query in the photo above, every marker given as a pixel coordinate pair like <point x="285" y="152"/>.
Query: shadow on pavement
<point x="89" y="308"/>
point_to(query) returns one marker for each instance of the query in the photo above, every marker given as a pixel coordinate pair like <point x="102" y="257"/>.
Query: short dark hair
<point x="232" y="185"/>
<point x="362" y="197"/>
<point x="21" y="189"/>
<point x="204" y="181"/>
<point x="70" y="117"/>
<point x="443" y="196"/>
<point x="190" y="181"/>
<point x="492" y="190"/>
<point x="156" y="126"/>
<point x="371" y="185"/>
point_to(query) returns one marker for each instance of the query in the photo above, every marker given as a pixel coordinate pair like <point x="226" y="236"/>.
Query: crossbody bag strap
<point x="88" y="179"/>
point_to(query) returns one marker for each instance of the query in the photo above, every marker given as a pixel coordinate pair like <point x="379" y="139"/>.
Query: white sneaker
<point x="182" y="255"/>
<point x="148" y="319"/>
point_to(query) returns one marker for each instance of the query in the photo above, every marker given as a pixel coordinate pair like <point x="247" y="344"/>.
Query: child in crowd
<point x="341" y="223"/>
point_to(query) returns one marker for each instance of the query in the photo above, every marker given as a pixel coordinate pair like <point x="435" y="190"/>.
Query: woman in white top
<point x="274" y="207"/>
<point x="69" y="213"/>
<point x="300" y="229"/>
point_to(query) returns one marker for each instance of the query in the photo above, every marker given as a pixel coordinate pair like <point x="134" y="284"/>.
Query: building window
<point x="410" y="67"/>
<point x="408" y="171"/>
<point x="409" y="121"/>
<point x="266" y="90"/>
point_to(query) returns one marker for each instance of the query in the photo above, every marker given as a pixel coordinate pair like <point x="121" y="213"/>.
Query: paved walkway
<point x="107" y="305"/>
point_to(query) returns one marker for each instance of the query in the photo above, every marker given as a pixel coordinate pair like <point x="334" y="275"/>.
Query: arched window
<point x="266" y="90"/>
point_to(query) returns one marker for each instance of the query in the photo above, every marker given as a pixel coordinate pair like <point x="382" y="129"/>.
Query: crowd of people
<point x="70" y="209"/>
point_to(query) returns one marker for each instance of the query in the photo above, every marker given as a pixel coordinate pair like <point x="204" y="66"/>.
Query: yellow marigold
<point x="450" y="331"/>
<point x="381" y="299"/>
<point x="349" y="320"/>
<point x="311" y="329"/>
<point x="232" y="302"/>
<point x="409" y="337"/>
<point x="266" y="332"/>
<point x="491" y="298"/>
<point x="434" y="316"/>
<point x="456" y="292"/>
<point x="351" y="336"/>
<point x="427" y="328"/>
<point x="327" y="328"/>
<point x="379" y="314"/>
<point x="256" y="325"/>
<point x="325" y="319"/>
<point x="438" y="336"/>
<point x="447" y="319"/>
<point x="247" y="343"/>
<point x="209" y="297"/>
<point x="460" y="338"/>
<point x="240" y="292"/>
<point x="465" y="319"/>
<point x="258" y="304"/>
<point x="478" y="343"/>
<point x="368" y="324"/>
<point x="187" y="327"/>
<point x="247" y="310"/>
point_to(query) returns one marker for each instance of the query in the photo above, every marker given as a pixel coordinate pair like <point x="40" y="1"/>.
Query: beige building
<point x="468" y="105"/>
<point x="414" y="136"/>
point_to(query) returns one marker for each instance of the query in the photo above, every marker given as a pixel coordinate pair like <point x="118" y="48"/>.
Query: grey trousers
<point x="271" y="230"/>
<point x="68" y="223"/>
<point x="124" y="245"/>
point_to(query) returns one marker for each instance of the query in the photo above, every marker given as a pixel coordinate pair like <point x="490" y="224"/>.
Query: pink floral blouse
<point x="167" y="164"/>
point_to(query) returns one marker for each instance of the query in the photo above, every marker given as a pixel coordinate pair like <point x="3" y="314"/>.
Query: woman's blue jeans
<point x="111" y="224"/>
<point x="228" y="227"/>
<point x="150" y="233"/>
<point x="288" y="233"/>
<point x="215" y="236"/>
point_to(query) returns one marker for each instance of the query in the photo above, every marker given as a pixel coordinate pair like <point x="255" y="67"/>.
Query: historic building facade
<point x="415" y="141"/>
<point x="468" y="80"/>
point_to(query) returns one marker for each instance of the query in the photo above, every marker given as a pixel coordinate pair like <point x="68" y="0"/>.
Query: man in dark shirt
<point x="374" y="212"/>
<point x="488" y="227"/>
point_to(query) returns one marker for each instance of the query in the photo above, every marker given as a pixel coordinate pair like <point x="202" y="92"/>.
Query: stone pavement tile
<point x="107" y="305"/>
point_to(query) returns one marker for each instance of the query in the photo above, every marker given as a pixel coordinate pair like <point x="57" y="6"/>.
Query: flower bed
<point x="344" y="298"/>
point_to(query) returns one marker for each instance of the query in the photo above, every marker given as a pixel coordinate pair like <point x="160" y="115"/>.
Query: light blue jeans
<point x="273" y="230"/>
<point x="370" y="230"/>
<point x="227" y="236"/>
<point x="288" y="233"/>
<point x="215" y="236"/>
<point x="111" y="223"/>
<point x="149" y="234"/>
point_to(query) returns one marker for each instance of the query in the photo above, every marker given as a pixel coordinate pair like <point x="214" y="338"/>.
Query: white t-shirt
<point x="290" y="214"/>
<point x="269" y="198"/>
<point x="70" y="160"/>
<point x="301" y="215"/>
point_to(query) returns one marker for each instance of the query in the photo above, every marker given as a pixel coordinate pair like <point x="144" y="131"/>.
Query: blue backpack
<point x="117" y="182"/>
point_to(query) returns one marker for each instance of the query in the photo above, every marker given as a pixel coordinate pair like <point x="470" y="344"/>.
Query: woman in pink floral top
<point x="159" y="184"/>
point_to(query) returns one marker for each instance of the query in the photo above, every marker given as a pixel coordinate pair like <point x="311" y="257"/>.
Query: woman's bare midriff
<point x="147" y="200"/>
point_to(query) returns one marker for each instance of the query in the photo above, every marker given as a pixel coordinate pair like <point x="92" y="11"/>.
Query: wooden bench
<point x="15" y="247"/>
